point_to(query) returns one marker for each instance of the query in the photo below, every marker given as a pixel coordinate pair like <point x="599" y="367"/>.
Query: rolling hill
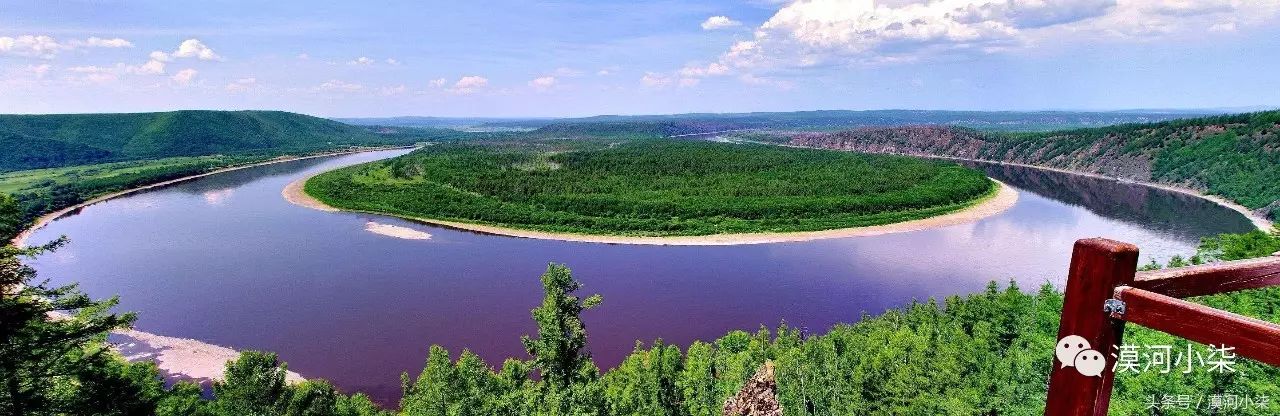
<point x="44" y="141"/>
<point x="1235" y="156"/>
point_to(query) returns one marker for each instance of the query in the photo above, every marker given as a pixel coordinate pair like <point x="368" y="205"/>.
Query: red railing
<point x="1104" y="290"/>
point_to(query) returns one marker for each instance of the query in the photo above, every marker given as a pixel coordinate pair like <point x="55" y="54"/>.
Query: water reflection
<point x="1181" y="215"/>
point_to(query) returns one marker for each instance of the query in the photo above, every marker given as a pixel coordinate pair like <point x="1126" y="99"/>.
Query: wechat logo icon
<point x="1075" y="351"/>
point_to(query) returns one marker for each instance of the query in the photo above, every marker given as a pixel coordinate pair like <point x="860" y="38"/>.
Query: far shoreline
<point x="1261" y="222"/>
<point x="989" y="205"/>
<point x="21" y="239"/>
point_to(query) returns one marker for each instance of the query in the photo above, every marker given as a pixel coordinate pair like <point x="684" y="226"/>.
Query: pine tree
<point x="52" y="356"/>
<point x="253" y="384"/>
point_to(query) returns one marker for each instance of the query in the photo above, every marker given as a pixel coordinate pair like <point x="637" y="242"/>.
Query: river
<point x="226" y="260"/>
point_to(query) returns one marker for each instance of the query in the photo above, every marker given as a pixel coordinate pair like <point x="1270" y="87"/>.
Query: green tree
<point x="570" y="379"/>
<point x="253" y="384"/>
<point x="697" y="381"/>
<point x="559" y="352"/>
<point x="52" y="356"/>
<point x="312" y="398"/>
<point x="11" y="221"/>
<point x="434" y="391"/>
<point x="182" y="400"/>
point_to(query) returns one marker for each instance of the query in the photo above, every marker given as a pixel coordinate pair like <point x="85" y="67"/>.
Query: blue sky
<point x="575" y="58"/>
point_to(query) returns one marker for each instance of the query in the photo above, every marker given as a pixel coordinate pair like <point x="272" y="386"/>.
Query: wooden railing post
<point x="1098" y="265"/>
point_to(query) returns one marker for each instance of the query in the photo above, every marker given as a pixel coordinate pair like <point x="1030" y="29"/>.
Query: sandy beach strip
<point x="396" y="231"/>
<point x="1004" y="198"/>
<point x="180" y="359"/>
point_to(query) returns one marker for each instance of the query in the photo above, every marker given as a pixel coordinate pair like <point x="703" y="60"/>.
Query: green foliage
<point x="43" y="141"/>
<point x="183" y="399"/>
<point x="654" y="188"/>
<point x="252" y="385"/>
<point x="1236" y="156"/>
<point x="559" y="351"/>
<point x="41" y="191"/>
<point x="11" y="219"/>
<point x="53" y="359"/>
<point x="646" y="383"/>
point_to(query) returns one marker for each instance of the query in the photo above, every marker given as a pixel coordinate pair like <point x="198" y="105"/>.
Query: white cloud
<point x="193" y="48"/>
<point x="152" y="67"/>
<point x="1223" y="27"/>
<point x="48" y="47"/>
<point x="689" y="82"/>
<point x="392" y="61"/>
<point x="438" y="82"/>
<point x="335" y="85"/>
<point x="719" y="22"/>
<point x="363" y="60"/>
<point x="469" y="84"/>
<point x="543" y="83"/>
<point x="97" y="42"/>
<point x="160" y="56"/>
<point x="39" y="70"/>
<point x="750" y="79"/>
<point x="393" y="90"/>
<point x="304" y="56"/>
<point x="242" y="84"/>
<point x="713" y="69"/>
<point x="812" y="33"/>
<point x="655" y="80"/>
<point x="566" y="72"/>
<point x="157" y="60"/>
<point x="184" y="77"/>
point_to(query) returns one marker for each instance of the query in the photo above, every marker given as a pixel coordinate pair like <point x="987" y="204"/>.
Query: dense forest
<point x="1235" y="156"/>
<point x="44" y="141"/>
<point x="653" y="187"/>
<point x="986" y="353"/>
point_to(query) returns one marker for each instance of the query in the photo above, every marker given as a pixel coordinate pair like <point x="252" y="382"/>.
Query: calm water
<point x="226" y="260"/>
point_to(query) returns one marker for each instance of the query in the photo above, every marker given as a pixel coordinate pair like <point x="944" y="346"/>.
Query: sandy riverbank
<point x="1004" y="198"/>
<point x="180" y="359"/>
<point x="21" y="239"/>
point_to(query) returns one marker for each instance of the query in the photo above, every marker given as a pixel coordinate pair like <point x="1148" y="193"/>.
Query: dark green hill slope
<point x="1235" y="156"/>
<point x="41" y="141"/>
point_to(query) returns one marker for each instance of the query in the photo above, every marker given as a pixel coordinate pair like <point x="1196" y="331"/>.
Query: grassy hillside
<point x="653" y="188"/>
<point x="45" y="141"/>
<point x="1235" y="156"/>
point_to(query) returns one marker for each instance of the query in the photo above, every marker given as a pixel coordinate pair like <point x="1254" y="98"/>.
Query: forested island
<point x="652" y="187"/>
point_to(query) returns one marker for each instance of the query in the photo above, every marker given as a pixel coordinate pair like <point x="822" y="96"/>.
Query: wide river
<point x="226" y="260"/>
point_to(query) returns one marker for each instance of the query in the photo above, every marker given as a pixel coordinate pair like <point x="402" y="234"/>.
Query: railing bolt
<point x="1113" y="307"/>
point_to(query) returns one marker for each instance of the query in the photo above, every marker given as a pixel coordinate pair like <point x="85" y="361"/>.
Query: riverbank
<point x="21" y="239"/>
<point x="1258" y="220"/>
<point x="1002" y="199"/>
<point x="179" y="359"/>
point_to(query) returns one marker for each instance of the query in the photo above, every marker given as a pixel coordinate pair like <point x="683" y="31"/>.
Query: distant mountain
<point x="459" y="123"/>
<point x="697" y="123"/>
<point x="41" y="141"/>
<point x="1235" y="156"/>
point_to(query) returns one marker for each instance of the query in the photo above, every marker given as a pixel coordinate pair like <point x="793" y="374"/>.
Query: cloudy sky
<point x="573" y="58"/>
